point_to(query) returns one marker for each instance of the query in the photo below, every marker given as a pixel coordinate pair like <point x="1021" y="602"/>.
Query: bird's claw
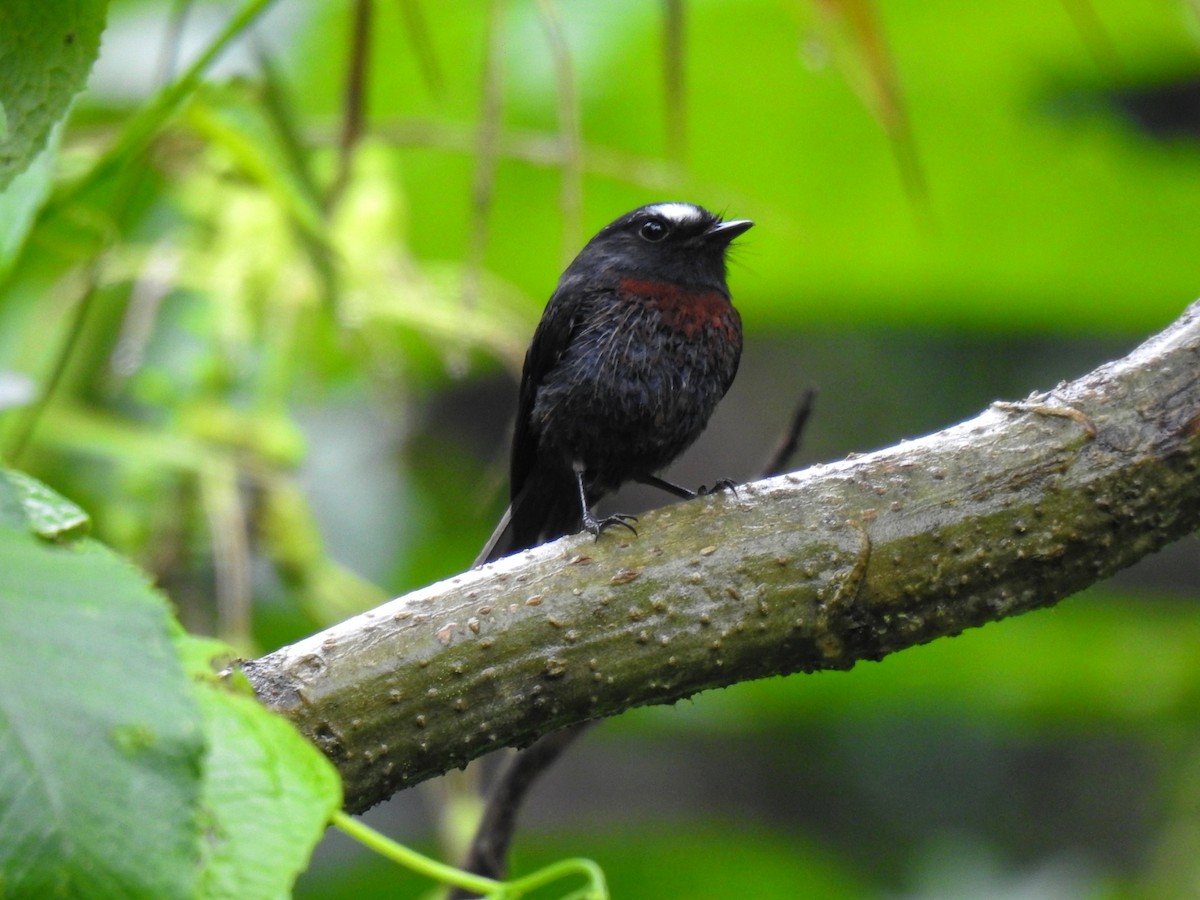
<point x="725" y="484"/>
<point x="596" y="526"/>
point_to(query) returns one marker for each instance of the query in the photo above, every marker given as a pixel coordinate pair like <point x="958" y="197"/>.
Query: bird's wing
<point x="539" y="506"/>
<point x="550" y="341"/>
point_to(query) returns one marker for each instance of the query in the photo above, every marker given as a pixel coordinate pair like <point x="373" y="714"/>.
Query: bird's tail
<point x="543" y="510"/>
<point x="500" y="543"/>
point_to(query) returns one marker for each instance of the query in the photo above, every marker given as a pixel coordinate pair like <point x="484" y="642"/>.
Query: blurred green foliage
<point x="259" y="347"/>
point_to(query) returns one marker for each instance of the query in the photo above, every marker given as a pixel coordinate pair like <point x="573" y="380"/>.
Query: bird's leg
<point x="590" y="523"/>
<point x="725" y="484"/>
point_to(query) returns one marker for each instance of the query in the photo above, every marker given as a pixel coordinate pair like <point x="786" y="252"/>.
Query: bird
<point x="637" y="345"/>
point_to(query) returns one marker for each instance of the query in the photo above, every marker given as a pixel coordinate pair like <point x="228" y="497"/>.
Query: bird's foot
<point x="595" y="526"/>
<point x="725" y="484"/>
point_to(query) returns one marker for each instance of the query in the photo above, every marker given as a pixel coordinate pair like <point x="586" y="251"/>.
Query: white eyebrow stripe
<point x="679" y="213"/>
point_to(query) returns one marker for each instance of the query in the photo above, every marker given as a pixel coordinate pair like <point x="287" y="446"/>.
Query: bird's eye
<point x="653" y="230"/>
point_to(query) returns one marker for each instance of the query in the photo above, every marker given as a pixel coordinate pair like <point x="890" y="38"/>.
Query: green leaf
<point x="101" y="744"/>
<point x="24" y="501"/>
<point x="105" y="785"/>
<point x="268" y="792"/>
<point x="46" y="52"/>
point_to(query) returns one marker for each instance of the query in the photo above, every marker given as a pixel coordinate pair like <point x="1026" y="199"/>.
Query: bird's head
<point x="680" y="243"/>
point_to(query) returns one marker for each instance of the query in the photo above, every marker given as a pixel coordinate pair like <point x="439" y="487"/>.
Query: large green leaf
<point x="268" y="794"/>
<point x="127" y="768"/>
<point x="46" y="52"/>
<point x="101" y="744"/>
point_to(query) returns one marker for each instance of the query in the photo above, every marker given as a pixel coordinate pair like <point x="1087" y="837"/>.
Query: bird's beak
<point x="727" y="231"/>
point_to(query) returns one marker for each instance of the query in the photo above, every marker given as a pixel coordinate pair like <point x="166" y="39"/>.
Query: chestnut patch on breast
<point x="682" y="309"/>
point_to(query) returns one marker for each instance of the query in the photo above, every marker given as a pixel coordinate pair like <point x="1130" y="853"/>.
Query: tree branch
<point x="1013" y="510"/>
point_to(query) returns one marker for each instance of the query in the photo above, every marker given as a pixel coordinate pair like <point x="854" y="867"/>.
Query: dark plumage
<point x="636" y="347"/>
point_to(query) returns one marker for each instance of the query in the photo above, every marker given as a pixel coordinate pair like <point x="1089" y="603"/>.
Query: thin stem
<point x="789" y="443"/>
<point x="597" y="889"/>
<point x="411" y="859"/>
<point x="569" y="130"/>
<point x="422" y="44"/>
<point x="673" y="82"/>
<point x="62" y="360"/>
<point x="356" y="84"/>
<point x="227" y="525"/>
<point x="486" y="140"/>
<point x="532" y="147"/>
<point x="169" y="55"/>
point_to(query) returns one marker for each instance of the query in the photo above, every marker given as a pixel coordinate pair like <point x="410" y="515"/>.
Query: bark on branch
<point x="1015" y="509"/>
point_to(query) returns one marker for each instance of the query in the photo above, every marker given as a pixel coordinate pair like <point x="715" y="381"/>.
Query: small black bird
<point x="634" y="350"/>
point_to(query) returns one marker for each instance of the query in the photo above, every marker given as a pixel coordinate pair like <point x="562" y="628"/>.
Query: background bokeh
<point x="283" y="373"/>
